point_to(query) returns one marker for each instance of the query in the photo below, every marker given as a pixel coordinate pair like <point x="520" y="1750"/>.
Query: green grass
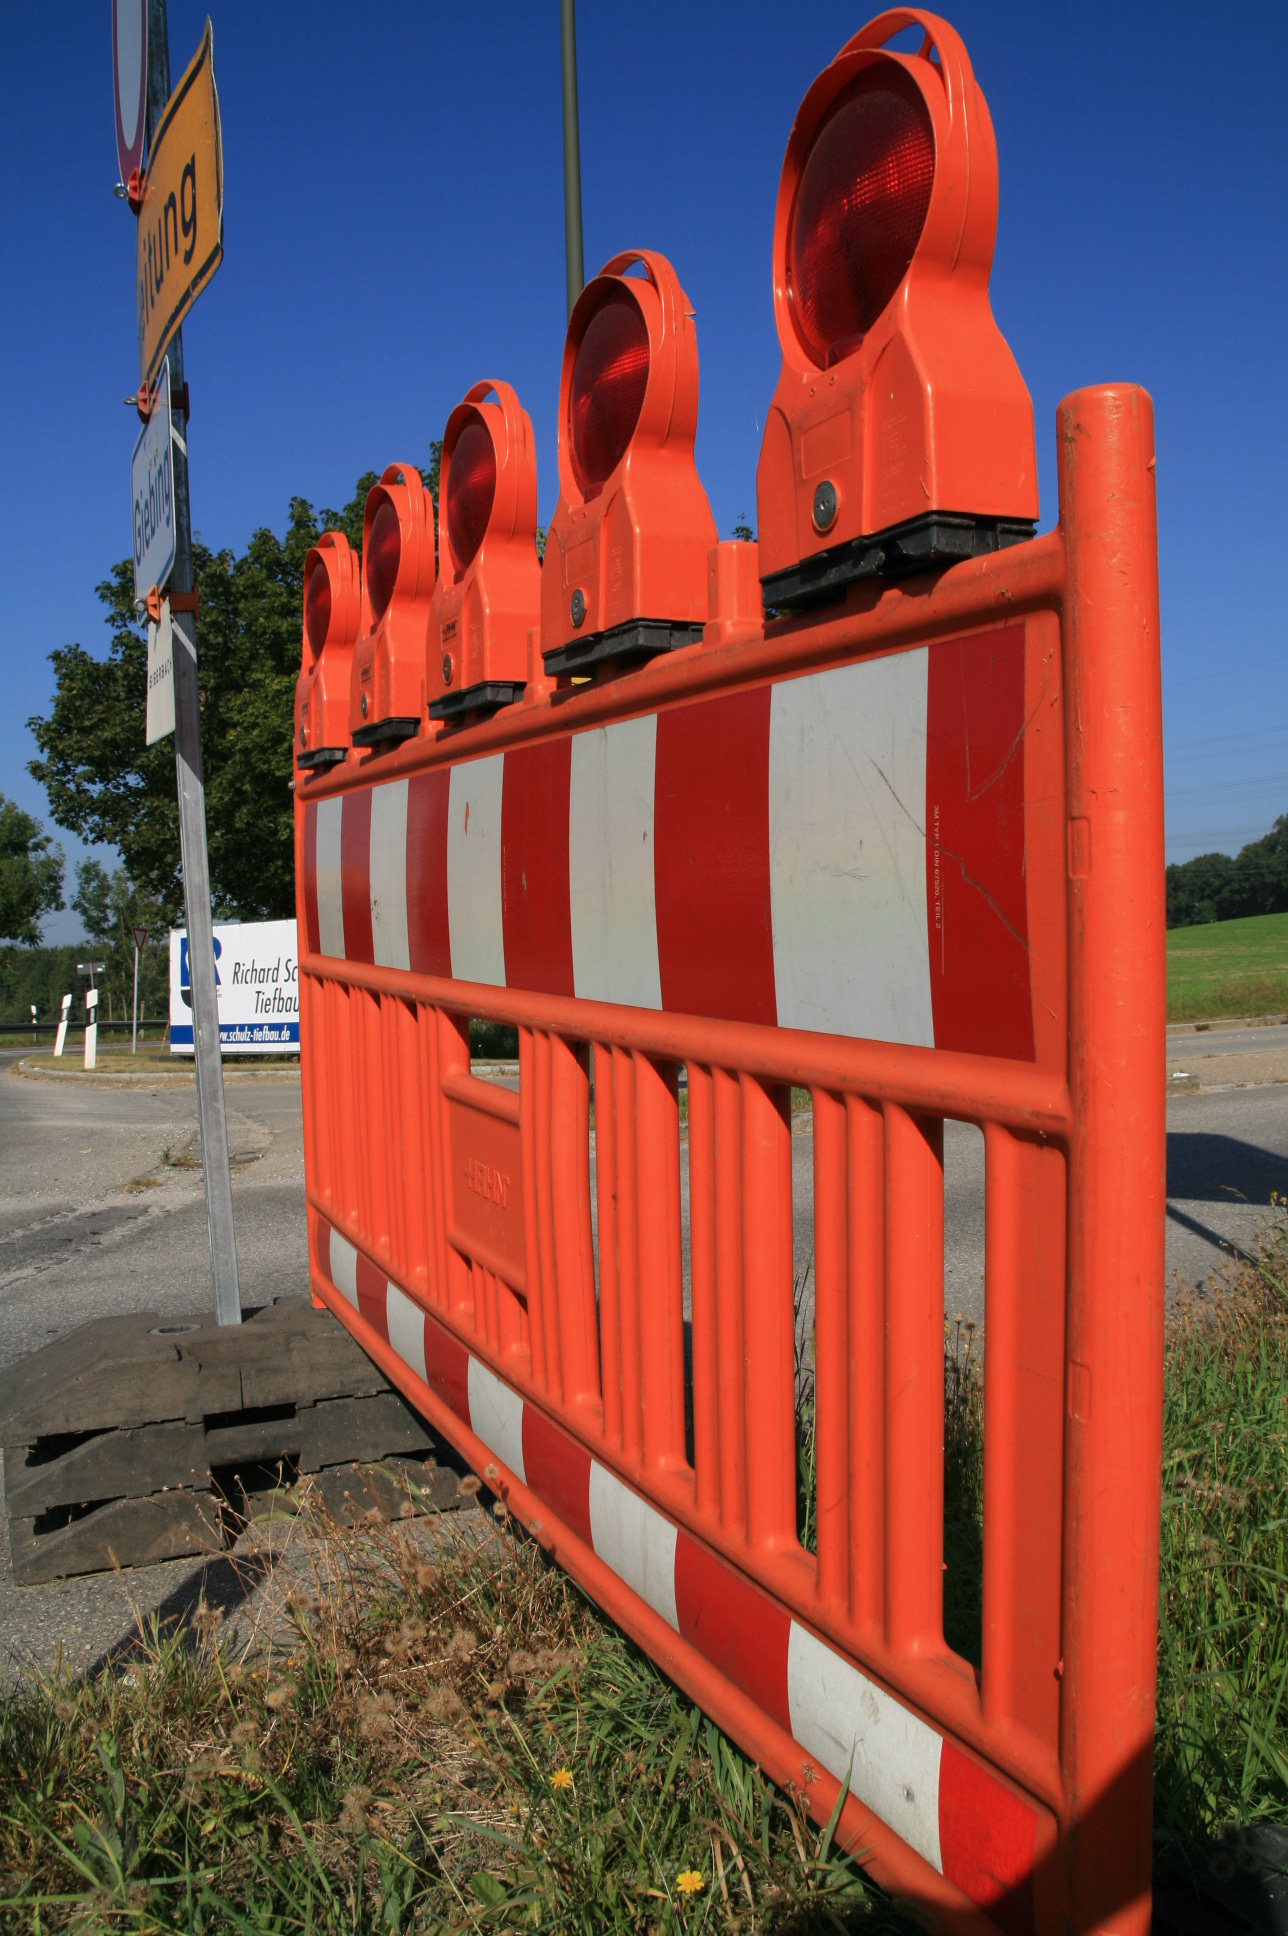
<point x="1222" y="1738"/>
<point x="1228" y="968"/>
<point x="459" y="1741"/>
<point x="450" y="1744"/>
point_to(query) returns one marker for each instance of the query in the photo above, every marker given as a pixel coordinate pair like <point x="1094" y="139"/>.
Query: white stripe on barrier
<point x="474" y="871"/>
<point x="387" y="875"/>
<point x="855" y="1728"/>
<point x="405" y="1323"/>
<point x="496" y="1416"/>
<point x="610" y="864"/>
<point x="343" y="1260"/>
<point x="634" y="1540"/>
<point x="330" y="900"/>
<point x="847" y="850"/>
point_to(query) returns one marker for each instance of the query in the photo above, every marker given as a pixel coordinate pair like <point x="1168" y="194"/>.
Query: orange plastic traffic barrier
<point x="902" y="851"/>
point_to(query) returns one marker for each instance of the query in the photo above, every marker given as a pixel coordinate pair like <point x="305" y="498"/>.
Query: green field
<point x="1228" y="968"/>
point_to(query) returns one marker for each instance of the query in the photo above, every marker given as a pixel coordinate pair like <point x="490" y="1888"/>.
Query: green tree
<point x="1214" y="887"/>
<point x="106" y="785"/>
<point x="31" y="874"/>
<point x="111" y="907"/>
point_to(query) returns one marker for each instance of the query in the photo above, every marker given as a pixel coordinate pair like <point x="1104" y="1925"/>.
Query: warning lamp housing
<point x="332" y="610"/>
<point x="387" y="689"/>
<point x="625" y="571"/>
<point x="900" y="437"/>
<point x="488" y="594"/>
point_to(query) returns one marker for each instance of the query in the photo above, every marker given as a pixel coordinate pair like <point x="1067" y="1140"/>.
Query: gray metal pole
<point x="192" y="805"/>
<point x="134" y="1033"/>
<point x="575" y="266"/>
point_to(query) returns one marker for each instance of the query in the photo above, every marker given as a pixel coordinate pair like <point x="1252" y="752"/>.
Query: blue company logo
<point x="185" y="982"/>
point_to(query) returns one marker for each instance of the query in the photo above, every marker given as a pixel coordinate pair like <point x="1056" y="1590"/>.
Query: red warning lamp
<point x="489" y="587"/>
<point x="625" y="571"/>
<point x="332" y="616"/>
<point x="900" y="437"/>
<point x="387" y="691"/>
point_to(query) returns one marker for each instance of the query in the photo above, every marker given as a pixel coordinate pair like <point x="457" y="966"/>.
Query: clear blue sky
<point x="394" y="231"/>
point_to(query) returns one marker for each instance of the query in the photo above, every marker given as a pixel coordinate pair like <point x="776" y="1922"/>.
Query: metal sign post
<point x="140" y="938"/>
<point x="573" y="261"/>
<point x="191" y="788"/>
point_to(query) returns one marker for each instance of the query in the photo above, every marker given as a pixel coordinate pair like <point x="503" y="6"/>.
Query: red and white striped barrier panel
<point x="842" y="852"/>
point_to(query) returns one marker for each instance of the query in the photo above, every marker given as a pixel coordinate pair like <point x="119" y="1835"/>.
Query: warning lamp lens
<point x="471" y="487"/>
<point x="317" y="606"/>
<point x="384" y="549"/>
<point x="608" y="383"/>
<point x="860" y="208"/>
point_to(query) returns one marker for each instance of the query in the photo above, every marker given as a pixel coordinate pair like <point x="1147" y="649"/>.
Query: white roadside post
<point x="60" y="1041"/>
<point x="91" y="1028"/>
<point x="33" y="1025"/>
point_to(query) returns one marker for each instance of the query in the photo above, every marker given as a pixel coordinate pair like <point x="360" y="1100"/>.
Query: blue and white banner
<point x="258" y="986"/>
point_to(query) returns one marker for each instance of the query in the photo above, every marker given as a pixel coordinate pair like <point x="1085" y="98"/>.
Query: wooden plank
<point x="126" y="1532"/>
<point x="110" y="1465"/>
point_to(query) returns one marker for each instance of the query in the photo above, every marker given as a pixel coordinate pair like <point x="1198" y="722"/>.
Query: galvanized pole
<point x="134" y="1033"/>
<point x="192" y="801"/>
<point x="574" y="263"/>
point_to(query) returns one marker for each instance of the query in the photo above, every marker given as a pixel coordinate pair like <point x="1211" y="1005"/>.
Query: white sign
<point x="160" y="716"/>
<point x="152" y="493"/>
<point x="129" y="80"/>
<point x="257" y="986"/>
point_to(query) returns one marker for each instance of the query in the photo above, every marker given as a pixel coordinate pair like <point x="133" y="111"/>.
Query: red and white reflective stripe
<point x="967" y="1824"/>
<point x="842" y="852"/>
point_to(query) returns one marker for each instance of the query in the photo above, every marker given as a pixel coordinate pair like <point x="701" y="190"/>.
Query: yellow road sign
<point x="181" y="221"/>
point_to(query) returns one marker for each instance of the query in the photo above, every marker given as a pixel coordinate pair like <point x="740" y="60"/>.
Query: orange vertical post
<point x="1117" y="1006"/>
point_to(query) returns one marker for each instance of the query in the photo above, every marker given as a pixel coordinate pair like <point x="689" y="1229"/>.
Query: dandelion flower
<point x="688" y="1882"/>
<point x="561" y="1778"/>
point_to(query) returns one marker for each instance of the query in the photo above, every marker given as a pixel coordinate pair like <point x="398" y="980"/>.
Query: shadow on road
<point x="1202" y="1168"/>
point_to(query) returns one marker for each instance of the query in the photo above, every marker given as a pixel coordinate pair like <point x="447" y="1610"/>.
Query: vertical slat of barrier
<point x="574" y="1284"/>
<point x="1024" y="1293"/>
<point x="392" y="1175"/>
<point x="914" y="1393"/>
<point x="1005" y="1539"/>
<point x="585" y="1234"/>
<point x="315" y="1054"/>
<point x="340" y="1036"/>
<point x="1114" y="1383"/>
<point x="453" y="1058"/>
<point x="435" y="1183"/>
<point x="610" y="1242"/>
<point x="865" y="1195"/>
<point x="366" y="1132"/>
<point x="703" y="1345"/>
<point x="628" y="1215"/>
<point x="730" y="1327"/>
<point x="661" y="1328"/>
<point x="541" y="1164"/>
<point x="831" y="1348"/>
<point x="531" y="1225"/>
<point x="767" y="1279"/>
<point x="415" y="1167"/>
